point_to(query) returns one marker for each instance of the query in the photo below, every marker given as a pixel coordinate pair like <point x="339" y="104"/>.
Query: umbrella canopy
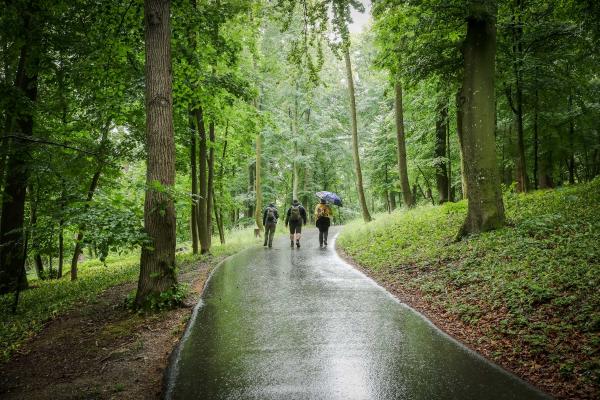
<point x="330" y="197"/>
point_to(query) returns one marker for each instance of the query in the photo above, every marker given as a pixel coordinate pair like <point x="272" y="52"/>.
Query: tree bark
<point x="210" y="182"/>
<point x="536" y="142"/>
<point x="401" y="146"/>
<point x="517" y="34"/>
<point x="459" y="133"/>
<point x="485" y="206"/>
<point x="203" y="183"/>
<point x="571" y="161"/>
<point x="12" y="217"/>
<point x="355" y="154"/>
<point x="393" y="200"/>
<point x="258" y="209"/>
<point x="194" y="173"/>
<point x="37" y="257"/>
<point x="157" y="263"/>
<point x="441" y="172"/>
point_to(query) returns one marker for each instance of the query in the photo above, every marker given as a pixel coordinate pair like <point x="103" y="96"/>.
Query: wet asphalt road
<point x="302" y="324"/>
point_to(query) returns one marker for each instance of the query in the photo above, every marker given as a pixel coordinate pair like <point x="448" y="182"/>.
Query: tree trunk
<point x="61" y="248"/>
<point x="194" y="173"/>
<point x="202" y="178"/>
<point x="258" y="209"/>
<point x="359" y="178"/>
<point x="157" y="263"/>
<point x="485" y="209"/>
<point x="80" y="234"/>
<point x="459" y="133"/>
<point x="251" y="188"/>
<point x="401" y="146"/>
<point x="441" y="173"/>
<point x="37" y="257"/>
<point x="219" y="221"/>
<point x="449" y="156"/>
<point x="517" y="46"/>
<point x="536" y="142"/>
<point x="393" y="200"/>
<point x="571" y="162"/>
<point x="12" y="218"/>
<point x="210" y="182"/>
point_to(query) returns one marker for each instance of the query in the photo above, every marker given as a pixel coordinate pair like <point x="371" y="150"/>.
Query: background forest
<point x="261" y="114"/>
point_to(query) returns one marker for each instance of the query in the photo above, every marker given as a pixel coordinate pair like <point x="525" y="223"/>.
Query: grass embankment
<point x="49" y="299"/>
<point x="526" y="296"/>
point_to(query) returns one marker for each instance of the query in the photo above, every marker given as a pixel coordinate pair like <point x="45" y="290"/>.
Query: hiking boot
<point x="297" y="243"/>
<point x="291" y="243"/>
<point x="325" y="243"/>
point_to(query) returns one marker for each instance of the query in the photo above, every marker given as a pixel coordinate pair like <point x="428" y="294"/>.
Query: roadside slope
<point x="525" y="296"/>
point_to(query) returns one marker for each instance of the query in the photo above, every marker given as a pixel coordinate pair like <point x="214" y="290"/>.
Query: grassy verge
<point x="47" y="300"/>
<point x="530" y="291"/>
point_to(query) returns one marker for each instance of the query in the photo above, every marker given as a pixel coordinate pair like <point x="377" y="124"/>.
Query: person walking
<point x="270" y="217"/>
<point x="295" y="218"/>
<point x="323" y="215"/>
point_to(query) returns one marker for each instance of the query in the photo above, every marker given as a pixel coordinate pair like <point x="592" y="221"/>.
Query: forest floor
<point x="102" y="350"/>
<point x="525" y="296"/>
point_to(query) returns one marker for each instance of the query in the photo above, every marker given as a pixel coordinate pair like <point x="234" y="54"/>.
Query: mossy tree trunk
<point x="485" y="206"/>
<point x="203" y="183"/>
<point x="441" y="172"/>
<point x="194" y="173"/>
<point x="157" y="263"/>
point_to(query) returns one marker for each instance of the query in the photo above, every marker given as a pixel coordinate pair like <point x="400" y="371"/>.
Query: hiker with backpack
<point x="295" y="218"/>
<point x="323" y="215"/>
<point x="270" y="217"/>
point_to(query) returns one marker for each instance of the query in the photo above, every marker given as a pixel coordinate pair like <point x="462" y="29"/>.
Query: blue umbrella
<point x="330" y="197"/>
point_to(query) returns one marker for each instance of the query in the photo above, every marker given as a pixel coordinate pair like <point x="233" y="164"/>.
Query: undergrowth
<point x="539" y="275"/>
<point x="48" y="299"/>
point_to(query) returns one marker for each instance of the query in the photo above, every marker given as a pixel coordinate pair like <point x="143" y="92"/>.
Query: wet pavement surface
<point x="287" y="323"/>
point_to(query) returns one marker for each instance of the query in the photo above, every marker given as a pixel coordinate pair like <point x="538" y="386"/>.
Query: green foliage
<point x="169" y="299"/>
<point x="540" y="274"/>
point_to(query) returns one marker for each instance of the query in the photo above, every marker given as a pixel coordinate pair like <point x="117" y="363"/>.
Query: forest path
<point x="287" y="323"/>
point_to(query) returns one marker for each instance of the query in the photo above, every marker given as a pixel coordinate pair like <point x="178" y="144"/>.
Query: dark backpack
<point x="270" y="214"/>
<point x="295" y="214"/>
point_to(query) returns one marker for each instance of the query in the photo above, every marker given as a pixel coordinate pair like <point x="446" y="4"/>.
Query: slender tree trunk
<point x="355" y="154"/>
<point x="210" y="181"/>
<point x="393" y="200"/>
<point x="441" y="173"/>
<point x="194" y="172"/>
<point x="258" y="209"/>
<point x="203" y="183"/>
<point x="251" y="188"/>
<point x="12" y="217"/>
<point x="219" y="221"/>
<point x="80" y="233"/>
<point x="536" y="142"/>
<point x="571" y="162"/>
<point x="485" y="209"/>
<point x="37" y="257"/>
<point x="459" y="133"/>
<point x="157" y="263"/>
<point x="449" y="156"/>
<point x="517" y="46"/>
<point x="61" y="248"/>
<point x="401" y="146"/>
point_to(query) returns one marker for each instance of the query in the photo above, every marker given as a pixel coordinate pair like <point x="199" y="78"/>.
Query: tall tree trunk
<point x="37" y="257"/>
<point x="81" y="232"/>
<point x="485" y="208"/>
<point x="210" y="181"/>
<point x="194" y="172"/>
<point x="401" y="146"/>
<point x="258" y="185"/>
<point x="536" y="142"/>
<point x="251" y="188"/>
<point x="61" y="248"/>
<point x="459" y="133"/>
<point x="517" y="46"/>
<point x="355" y="154"/>
<point x="203" y="180"/>
<point x="393" y="200"/>
<point x="449" y="156"/>
<point x="12" y="217"/>
<point x="571" y="161"/>
<point x="441" y="173"/>
<point x="157" y="263"/>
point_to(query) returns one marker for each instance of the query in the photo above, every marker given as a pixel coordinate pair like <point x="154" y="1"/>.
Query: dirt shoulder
<point x="102" y="350"/>
<point x="477" y="337"/>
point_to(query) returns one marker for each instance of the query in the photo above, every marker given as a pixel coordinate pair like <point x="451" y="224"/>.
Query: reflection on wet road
<point x="284" y="323"/>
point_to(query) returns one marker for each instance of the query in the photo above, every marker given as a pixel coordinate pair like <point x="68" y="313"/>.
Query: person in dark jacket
<point x="270" y="217"/>
<point x="295" y="218"/>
